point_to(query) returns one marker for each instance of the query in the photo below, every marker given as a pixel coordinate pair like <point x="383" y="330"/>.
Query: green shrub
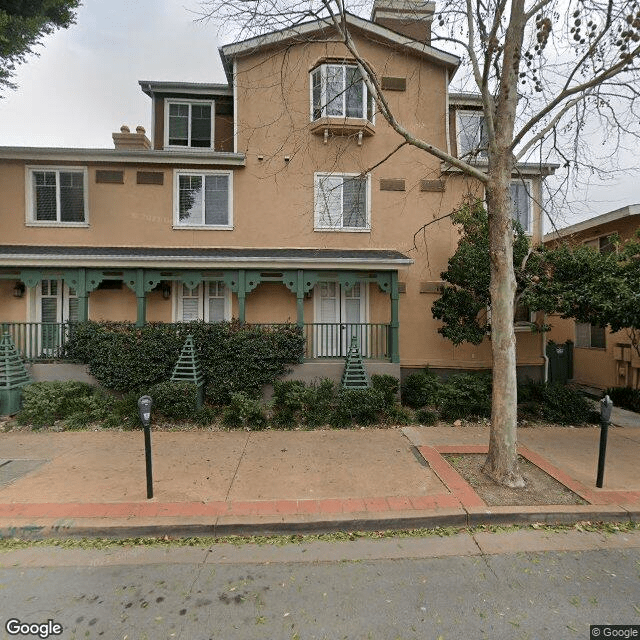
<point x="426" y="417"/>
<point x="290" y="397"/>
<point x="320" y="401"/>
<point x="564" y="405"/>
<point x="388" y="387"/>
<point x="174" y="400"/>
<point x="234" y="357"/>
<point x="356" y="406"/>
<point x="625" y="398"/>
<point x="465" y="395"/>
<point x="421" y="389"/>
<point x="397" y="414"/>
<point x="244" y="412"/>
<point x="46" y="402"/>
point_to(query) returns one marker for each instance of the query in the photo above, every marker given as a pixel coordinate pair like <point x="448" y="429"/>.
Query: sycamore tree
<point x="543" y="70"/>
<point x="23" y="24"/>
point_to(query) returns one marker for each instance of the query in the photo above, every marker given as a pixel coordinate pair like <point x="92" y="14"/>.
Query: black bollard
<point x="144" y="410"/>
<point x="605" y="418"/>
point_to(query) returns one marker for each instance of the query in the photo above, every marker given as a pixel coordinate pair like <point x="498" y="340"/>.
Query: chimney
<point x="127" y="141"/>
<point x="411" y="18"/>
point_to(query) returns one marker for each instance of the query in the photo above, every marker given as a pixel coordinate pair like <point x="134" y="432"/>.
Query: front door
<point x="56" y="303"/>
<point x="339" y="315"/>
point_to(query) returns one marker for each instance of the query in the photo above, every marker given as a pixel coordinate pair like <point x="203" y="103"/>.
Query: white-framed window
<point x="342" y="202"/>
<point x="57" y="196"/>
<point x="189" y="123"/>
<point x="472" y="134"/>
<point x="338" y="91"/>
<point x="590" y="336"/>
<point x="209" y="301"/>
<point x="203" y="199"/>
<point x="521" y="199"/>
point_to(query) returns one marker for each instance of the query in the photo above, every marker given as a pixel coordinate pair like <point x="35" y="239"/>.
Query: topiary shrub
<point x="244" y="412"/>
<point x="356" y="406"/>
<point x="234" y="357"/>
<point x="388" y="386"/>
<point x="465" y="395"/>
<point x="625" y="398"/>
<point x="421" y="389"/>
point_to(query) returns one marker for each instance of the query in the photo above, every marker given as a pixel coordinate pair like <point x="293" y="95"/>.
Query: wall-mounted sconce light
<point x="166" y="290"/>
<point x="287" y="158"/>
<point x="18" y="290"/>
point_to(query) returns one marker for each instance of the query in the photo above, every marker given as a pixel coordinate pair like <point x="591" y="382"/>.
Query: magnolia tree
<point x="542" y="69"/>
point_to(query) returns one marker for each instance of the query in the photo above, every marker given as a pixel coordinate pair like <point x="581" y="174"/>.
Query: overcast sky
<point x="84" y="84"/>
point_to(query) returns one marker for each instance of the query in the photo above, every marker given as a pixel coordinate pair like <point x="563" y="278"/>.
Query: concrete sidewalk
<point x="220" y="483"/>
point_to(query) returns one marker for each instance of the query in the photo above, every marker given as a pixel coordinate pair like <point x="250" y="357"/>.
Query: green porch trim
<point x="395" y="319"/>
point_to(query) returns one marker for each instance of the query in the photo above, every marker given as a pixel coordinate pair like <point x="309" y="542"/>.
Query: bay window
<point x="338" y="91"/>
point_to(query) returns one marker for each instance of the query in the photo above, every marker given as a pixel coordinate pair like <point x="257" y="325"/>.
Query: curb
<point x="505" y="516"/>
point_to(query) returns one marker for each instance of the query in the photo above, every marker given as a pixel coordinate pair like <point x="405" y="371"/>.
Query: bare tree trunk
<point x="502" y="462"/>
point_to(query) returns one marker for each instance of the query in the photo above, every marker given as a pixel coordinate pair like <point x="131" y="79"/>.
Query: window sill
<point x="343" y="229"/>
<point x="178" y="148"/>
<point x="202" y="227"/>
<point x="339" y="126"/>
<point x="603" y="349"/>
<point x="52" y="224"/>
<point x="522" y="327"/>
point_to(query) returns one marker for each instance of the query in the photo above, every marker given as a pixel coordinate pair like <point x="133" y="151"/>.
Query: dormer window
<point x="189" y="123"/>
<point x="472" y="135"/>
<point x="338" y="91"/>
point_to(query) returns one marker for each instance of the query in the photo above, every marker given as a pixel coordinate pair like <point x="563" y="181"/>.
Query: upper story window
<point x="204" y="199"/>
<point x="590" y="336"/>
<point x="342" y="202"/>
<point x="521" y="198"/>
<point x="338" y="91"/>
<point x="472" y="134"/>
<point x="189" y="123"/>
<point x="57" y="196"/>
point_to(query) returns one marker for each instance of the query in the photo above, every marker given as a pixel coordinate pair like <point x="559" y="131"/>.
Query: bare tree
<point x="542" y="69"/>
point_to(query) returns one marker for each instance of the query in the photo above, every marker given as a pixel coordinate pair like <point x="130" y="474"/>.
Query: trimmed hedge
<point x="625" y="398"/>
<point x="554" y="402"/>
<point x="234" y="357"/>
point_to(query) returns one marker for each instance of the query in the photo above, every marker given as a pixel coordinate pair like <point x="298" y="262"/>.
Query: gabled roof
<point x="306" y="29"/>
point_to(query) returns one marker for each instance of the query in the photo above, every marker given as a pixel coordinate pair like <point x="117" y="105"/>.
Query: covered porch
<point x="331" y="295"/>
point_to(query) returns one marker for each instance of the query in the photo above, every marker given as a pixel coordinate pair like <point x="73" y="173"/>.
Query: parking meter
<point x="606" y="405"/>
<point x="144" y="411"/>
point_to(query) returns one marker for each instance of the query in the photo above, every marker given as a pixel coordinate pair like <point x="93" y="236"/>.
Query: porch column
<point x="300" y="298"/>
<point x="394" y="346"/>
<point x="141" y="298"/>
<point x="83" y="296"/>
<point x="242" y="293"/>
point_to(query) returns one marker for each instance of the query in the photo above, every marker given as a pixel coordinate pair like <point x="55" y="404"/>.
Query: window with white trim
<point x="472" y="134"/>
<point x="338" y="91"/>
<point x="204" y="199"/>
<point x="189" y="123"/>
<point x="209" y="301"/>
<point x="57" y="196"/>
<point x="590" y="336"/>
<point x="342" y="202"/>
<point x="521" y="200"/>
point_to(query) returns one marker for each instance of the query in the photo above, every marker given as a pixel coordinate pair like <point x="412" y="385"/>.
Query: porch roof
<point x="199" y="257"/>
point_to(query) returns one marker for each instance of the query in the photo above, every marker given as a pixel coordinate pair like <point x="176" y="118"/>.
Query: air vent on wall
<point x="391" y="184"/>
<point x="108" y="176"/>
<point x="150" y="177"/>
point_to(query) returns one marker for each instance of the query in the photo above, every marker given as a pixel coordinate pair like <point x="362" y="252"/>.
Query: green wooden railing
<point x="42" y="341"/>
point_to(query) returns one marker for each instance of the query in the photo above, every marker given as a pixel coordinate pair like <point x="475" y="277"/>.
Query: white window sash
<point x="189" y="104"/>
<point x="31" y="196"/>
<point x="200" y="222"/>
<point x="322" y="74"/>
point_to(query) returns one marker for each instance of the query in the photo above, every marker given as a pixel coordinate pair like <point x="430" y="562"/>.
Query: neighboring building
<point x="601" y="358"/>
<point x="265" y="200"/>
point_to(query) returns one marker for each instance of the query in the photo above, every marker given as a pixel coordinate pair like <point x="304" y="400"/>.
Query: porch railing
<point x="42" y="341"/>
<point x="39" y="341"/>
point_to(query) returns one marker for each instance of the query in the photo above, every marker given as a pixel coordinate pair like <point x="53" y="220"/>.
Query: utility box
<point x="560" y="361"/>
<point x="13" y="376"/>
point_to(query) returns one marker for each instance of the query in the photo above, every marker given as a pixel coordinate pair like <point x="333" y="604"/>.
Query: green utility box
<point x="13" y="376"/>
<point x="560" y="361"/>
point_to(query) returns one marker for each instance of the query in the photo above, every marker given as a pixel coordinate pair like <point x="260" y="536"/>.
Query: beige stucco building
<point x="279" y="197"/>
<point x="601" y="358"/>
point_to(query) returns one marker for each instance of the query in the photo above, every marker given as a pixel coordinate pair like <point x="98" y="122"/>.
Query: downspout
<point x="544" y="351"/>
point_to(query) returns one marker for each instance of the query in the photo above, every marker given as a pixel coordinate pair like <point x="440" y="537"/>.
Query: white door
<point x="339" y="315"/>
<point x="56" y="303"/>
